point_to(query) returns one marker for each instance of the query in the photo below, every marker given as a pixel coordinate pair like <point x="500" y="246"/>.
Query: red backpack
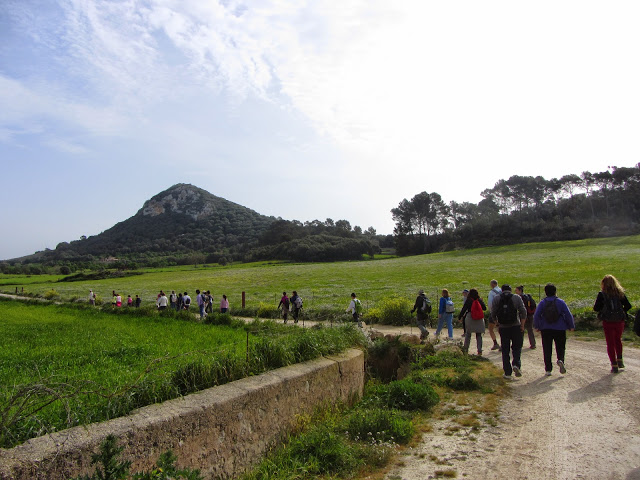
<point x="476" y="311"/>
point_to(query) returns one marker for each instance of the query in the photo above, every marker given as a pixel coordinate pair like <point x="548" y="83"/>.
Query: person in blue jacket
<point x="552" y="319"/>
<point x="445" y="313"/>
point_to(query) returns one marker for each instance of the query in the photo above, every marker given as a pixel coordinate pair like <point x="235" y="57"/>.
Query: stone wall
<point x="221" y="431"/>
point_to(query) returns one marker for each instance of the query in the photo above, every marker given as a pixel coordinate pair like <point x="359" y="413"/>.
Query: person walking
<point x="422" y="307"/>
<point x="495" y="290"/>
<point x="296" y="306"/>
<point x="552" y="319"/>
<point x="173" y="300"/>
<point x="180" y="301"/>
<point x="284" y="303"/>
<point x="224" y="304"/>
<point x="186" y="301"/>
<point x="162" y="301"/>
<point x="465" y="294"/>
<point x="355" y="307"/>
<point x="612" y="306"/>
<point x="138" y="301"/>
<point x="509" y="315"/>
<point x="530" y="305"/>
<point x="92" y="298"/>
<point x="472" y="315"/>
<point x="445" y="314"/>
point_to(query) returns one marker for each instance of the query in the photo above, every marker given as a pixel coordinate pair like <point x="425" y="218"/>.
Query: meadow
<point x="575" y="267"/>
<point x="64" y="365"/>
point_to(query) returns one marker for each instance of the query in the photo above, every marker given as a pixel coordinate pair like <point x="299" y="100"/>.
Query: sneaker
<point x="495" y="347"/>
<point x="507" y="377"/>
<point x="620" y="364"/>
<point x="614" y="368"/>
<point x="547" y="374"/>
<point x="560" y="363"/>
<point x="479" y="353"/>
<point x="532" y="347"/>
<point x="517" y="371"/>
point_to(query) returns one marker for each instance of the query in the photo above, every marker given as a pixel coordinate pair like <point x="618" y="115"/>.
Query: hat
<point x="465" y="291"/>
<point x="506" y="287"/>
<point x="420" y="292"/>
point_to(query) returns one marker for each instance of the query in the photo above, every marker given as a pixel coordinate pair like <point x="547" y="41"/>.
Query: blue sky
<point x="301" y="109"/>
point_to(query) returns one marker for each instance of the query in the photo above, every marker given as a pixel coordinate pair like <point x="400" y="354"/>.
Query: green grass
<point x="576" y="267"/>
<point x="75" y="365"/>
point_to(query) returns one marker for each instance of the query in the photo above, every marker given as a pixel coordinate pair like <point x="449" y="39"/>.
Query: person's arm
<point x="626" y="305"/>
<point x="537" y="316"/>
<point x="522" y="310"/>
<point x="416" y="305"/>
<point x="599" y="302"/>
<point x="566" y="314"/>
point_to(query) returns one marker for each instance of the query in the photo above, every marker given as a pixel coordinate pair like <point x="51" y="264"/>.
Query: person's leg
<point x="517" y="339"/>
<point x="467" y="341"/>
<point x="440" y="324"/>
<point x="422" y="327"/>
<point x="561" y="344"/>
<point x="505" y="341"/>
<point x="530" y="332"/>
<point x="609" y="336"/>
<point x="479" y="343"/>
<point x="492" y="334"/>
<point x="449" y="320"/>
<point x="547" y="346"/>
<point x="617" y="344"/>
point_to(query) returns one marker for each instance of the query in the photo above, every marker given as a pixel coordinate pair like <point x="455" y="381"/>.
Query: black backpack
<point x="612" y="311"/>
<point x="426" y="306"/>
<point x="636" y="323"/>
<point x="506" y="312"/>
<point x="550" y="311"/>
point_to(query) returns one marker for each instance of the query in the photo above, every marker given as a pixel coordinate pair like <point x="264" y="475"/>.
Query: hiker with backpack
<point x="612" y="306"/>
<point x="530" y="305"/>
<point x="509" y="314"/>
<point x="445" y="313"/>
<point x="472" y="315"/>
<point x="355" y="307"/>
<point x="495" y="290"/>
<point x="296" y="303"/>
<point x="284" y="303"/>
<point x="422" y="307"/>
<point x="552" y="319"/>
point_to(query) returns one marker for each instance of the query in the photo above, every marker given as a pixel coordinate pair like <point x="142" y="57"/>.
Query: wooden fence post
<point x="243" y="301"/>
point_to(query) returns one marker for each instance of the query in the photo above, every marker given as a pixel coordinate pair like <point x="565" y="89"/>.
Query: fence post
<point x="247" y="347"/>
<point x="243" y="302"/>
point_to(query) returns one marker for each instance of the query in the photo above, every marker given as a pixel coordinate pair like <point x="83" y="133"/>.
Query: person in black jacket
<point x="612" y="306"/>
<point x="472" y="325"/>
<point x="423" y="307"/>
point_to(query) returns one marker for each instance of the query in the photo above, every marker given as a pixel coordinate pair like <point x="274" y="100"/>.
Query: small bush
<point x="404" y="395"/>
<point x="323" y="452"/>
<point x="266" y="310"/>
<point x="51" y="294"/>
<point x="391" y="311"/>
<point x="380" y="425"/>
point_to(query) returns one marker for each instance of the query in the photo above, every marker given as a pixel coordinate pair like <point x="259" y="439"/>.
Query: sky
<point x="301" y="109"/>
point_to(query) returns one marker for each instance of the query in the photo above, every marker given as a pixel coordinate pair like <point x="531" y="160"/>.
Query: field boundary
<point x="221" y="431"/>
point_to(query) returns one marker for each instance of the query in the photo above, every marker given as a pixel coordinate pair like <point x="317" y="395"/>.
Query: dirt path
<point x="582" y="425"/>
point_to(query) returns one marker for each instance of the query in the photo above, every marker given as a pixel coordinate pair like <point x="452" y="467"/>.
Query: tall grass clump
<point x="379" y="424"/>
<point x="403" y="395"/>
<point x="391" y="311"/>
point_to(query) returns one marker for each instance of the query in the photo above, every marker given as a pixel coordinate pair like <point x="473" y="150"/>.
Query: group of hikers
<point x="513" y="313"/>
<point x="179" y="301"/>
<point x="508" y="312"/>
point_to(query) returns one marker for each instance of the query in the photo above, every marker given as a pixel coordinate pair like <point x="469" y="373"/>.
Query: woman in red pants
<point x="612" y="306"/>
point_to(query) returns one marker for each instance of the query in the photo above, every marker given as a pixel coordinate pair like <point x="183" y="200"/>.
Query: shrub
<point x="266" y="310"/>
<point x="391" y="311"/>
<point x="324" y="452"/>
<point x="51" y="294"/>
<point x="379" y="424"/>
<point x="404" y="395"/>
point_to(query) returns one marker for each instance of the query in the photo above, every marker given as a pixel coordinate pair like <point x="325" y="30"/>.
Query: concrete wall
<point x="221" y="431"/>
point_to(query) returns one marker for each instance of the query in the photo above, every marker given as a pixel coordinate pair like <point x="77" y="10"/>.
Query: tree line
<point x="523" y="209"/>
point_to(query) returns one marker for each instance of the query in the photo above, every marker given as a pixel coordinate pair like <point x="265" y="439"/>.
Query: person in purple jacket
<point x="552" y="319"/>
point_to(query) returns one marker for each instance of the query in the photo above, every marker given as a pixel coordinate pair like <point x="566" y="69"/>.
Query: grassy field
<point x="64" y="365"/>
<point x="576" y="267"/>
